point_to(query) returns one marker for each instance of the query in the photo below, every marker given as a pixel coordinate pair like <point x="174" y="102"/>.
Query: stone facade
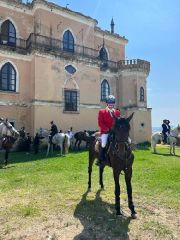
<point x="64" y="66"/>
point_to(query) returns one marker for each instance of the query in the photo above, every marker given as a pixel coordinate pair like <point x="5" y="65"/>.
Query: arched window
<point x="8" y="33"/>
<point x="103" y="54"/>
<point x="68" y="41"/>
<point x="8" y="78"/>
<point x="105" y="90"/>
<point x="141" y="94"/>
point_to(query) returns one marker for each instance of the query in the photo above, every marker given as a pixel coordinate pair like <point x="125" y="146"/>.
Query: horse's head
<point x="6" y="129"/>
<point x="121" y="129"/>
<point x="176" y="131"/>
<point x="15" y="133"/>
<point x="43" y="132"/>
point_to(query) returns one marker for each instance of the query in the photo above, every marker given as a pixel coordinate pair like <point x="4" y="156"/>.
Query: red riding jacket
<point x="105" y="119"/>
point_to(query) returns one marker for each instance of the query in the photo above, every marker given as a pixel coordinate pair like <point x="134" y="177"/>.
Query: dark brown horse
<point x="8" y="135"/>
<point x="121" y="158"/>
<point x="79" y="137"/>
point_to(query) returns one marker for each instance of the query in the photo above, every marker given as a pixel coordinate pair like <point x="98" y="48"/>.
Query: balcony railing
<point x="51" y="44"/>
<point x="12" y="43"/>
<point x="56" y="46"/>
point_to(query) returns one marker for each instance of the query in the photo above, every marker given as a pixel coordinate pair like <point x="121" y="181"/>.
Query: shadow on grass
<point x="79" y="150"/>
<point x="20" y="157"/>
<point x="5" y="167"/>
<point x="166" y="154"/>
<point x="143" y="148"/>
<point x="99" y="220"/>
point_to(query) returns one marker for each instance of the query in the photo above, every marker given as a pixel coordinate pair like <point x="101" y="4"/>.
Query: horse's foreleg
<point x="61" y="149"/>
<point x="117" y="193"/>
<point x="101" y="170"/>
<point x="47" y="153"/>
<point x="75" y="144"/>
<point x="170" y="148"/>
<point x="174" y="149"/>
<point x="91" y="160"/>
<point x="87" y="144"/>
<point x="79" y="144"/>
<point x="128" y="175"/>
<point x="6" y="157"/>
<point x="71" y="144"/>
<point x="66" y="147"/>
<point x="153" y="146"/>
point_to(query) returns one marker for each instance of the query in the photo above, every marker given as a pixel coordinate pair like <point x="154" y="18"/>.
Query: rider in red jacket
<point x="105" y="122"/>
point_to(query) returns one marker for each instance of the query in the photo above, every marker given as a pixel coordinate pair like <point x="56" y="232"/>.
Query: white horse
<point x="171" y="139"/>
<point x="59" y="139"/>
<point x="8" y="135"/>
<point x="6" y="129"/>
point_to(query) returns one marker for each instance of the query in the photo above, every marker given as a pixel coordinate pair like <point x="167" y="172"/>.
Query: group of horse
<point x="64" y="141"/>
<point x="9" y="135"/>
<point x="119" y="154"/>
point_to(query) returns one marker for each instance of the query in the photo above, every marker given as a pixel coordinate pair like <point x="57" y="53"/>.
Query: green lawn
<point x="44" y="196"/>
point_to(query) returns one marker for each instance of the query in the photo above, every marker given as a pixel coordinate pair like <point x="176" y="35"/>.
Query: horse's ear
<point x="130" y="117"/>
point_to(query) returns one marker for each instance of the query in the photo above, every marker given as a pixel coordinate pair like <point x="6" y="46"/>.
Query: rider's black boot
<point x="102" y="157"/>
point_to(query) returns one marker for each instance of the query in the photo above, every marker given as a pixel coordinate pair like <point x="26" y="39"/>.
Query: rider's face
<point x="110" y="105"/>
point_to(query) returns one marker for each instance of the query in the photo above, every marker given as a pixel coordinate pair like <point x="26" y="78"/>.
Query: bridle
<point x="9" y="128"/>
<point x="117" y="146"/>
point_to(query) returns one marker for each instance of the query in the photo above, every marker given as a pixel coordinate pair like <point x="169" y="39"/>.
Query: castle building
<point x="57" y="64"/>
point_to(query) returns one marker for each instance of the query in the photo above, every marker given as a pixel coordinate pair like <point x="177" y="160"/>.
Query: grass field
<point x="47" y="198"/>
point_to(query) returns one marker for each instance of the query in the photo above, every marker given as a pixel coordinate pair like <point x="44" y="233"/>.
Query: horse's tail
<point x="155" y="138"/>
<point x="66" y="144"/>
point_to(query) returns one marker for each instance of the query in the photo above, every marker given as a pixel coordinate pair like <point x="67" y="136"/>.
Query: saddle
<point x="106" y="161"/>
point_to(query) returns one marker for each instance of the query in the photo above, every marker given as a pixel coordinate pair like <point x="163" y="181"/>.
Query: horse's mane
<point x="175" y="131"/>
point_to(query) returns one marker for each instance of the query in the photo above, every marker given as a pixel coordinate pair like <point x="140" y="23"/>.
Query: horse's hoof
<point x="120" y="215"/>
<point x="102" y="188"/>
<point x="134" y="215"/>
<point x="89" y="189"/>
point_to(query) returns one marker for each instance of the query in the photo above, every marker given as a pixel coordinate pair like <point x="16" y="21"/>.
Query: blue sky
<point x="153" y="30"/>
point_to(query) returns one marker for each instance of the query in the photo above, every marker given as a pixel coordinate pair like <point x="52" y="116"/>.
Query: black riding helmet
<point x="110" y="99"/>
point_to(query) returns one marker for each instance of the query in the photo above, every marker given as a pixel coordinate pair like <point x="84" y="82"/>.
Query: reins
<point x="114" y="146"/>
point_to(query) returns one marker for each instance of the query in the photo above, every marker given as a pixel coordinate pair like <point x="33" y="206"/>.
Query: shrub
<point x="143" y="145"/>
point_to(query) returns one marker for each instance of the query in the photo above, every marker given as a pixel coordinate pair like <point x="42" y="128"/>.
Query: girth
<point x="116" y="151"/>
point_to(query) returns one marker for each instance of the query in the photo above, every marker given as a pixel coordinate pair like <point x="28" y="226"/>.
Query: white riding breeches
<point x="104" y="138"/>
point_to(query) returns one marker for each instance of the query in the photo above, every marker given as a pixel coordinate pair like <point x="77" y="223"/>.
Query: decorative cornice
<point x="30" y="9"/>
<point x="16" y="5"/>
<point x="12" y="54"/>
<point x="135" y="108"/>
<point x="14" y="103"/>
<point x="42" y="102"/>
<point x="64" y="11"/>
<point x="110" y="36"/>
